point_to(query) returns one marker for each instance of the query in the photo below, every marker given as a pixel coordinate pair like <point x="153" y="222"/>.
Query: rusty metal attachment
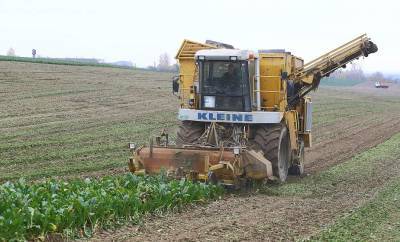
<point x="225" y="165"/>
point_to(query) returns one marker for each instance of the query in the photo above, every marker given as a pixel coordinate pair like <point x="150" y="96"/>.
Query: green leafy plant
<point x="79" y="207"/>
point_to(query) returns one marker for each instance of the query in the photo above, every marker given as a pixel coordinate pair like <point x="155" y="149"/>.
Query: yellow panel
<point x="187" y="67"/>
<point x="187" y="77"/>
<point x="291" y="118"/>
<point x="271" y="67"/>
<point x="189" y="48"/>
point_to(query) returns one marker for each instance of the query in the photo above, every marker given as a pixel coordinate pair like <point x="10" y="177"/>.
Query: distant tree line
<point x="352" y="72"/>
<point x="355" y="73"/>
<point x="164" y="64"/>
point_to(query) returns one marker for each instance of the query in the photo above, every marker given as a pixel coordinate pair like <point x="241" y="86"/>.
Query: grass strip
<point x="58" y="62"/>
<point x="331" y="81"/>
<point x="379" y="219"/>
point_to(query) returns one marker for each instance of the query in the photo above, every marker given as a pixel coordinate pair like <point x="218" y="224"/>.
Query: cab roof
<point x="224" y="54"/>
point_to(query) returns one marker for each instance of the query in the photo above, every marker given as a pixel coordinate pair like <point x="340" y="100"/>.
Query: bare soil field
<point x="72" y="121"/>
<point x="60" y="120"/>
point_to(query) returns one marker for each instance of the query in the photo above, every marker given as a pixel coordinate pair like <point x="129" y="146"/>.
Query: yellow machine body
<point x="278" y="83"/>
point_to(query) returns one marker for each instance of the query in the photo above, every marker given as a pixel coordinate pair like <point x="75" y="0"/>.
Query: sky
<point x="140" y="31"/>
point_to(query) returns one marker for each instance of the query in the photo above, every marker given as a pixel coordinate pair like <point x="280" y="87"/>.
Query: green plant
<point x="79" y="207"/>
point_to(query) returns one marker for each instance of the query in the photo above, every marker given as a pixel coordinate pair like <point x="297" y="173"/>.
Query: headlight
<point x="209" y="101"/>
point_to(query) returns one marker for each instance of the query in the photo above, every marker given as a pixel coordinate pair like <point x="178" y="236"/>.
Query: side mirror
<point x="284" y="75"/>
<point x="175" y="84"/>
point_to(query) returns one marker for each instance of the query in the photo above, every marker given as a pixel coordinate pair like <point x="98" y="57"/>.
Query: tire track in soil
<point x="356" y="140"/>
<point x="262" y="217"/>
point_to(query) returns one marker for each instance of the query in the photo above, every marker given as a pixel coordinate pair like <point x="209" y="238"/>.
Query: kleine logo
<point x="236" y="117"/>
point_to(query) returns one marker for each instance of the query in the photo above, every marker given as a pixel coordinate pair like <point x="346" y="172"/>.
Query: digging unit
<point x="244" y="114"/>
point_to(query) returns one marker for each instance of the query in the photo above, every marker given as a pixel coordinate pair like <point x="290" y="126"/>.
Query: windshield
<point x="226" y="82"/>
<point x="223" y="77"/>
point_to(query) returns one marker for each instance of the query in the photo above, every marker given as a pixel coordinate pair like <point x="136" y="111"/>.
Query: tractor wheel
<point x="189" y="132"/>
<point x="274" y="142"/>
<point x="297" y="167"/>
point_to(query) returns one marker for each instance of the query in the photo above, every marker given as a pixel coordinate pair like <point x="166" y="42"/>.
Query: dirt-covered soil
<point x="350" y="139"/>
<point x="59" y="120"/>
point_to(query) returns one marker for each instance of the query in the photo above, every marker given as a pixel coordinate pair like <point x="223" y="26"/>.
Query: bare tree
<point x="352" y="72"/>
<point x="11" y="52"/>
<point x="355" y="73"/>
<point x="164" y="62"/>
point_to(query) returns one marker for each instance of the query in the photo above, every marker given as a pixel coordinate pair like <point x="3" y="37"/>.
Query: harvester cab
<point x="224" y="79"/>
<point x="243" y="114"/>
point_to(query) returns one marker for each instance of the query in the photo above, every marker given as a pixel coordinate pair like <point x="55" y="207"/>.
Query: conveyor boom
<point x="311" y="73"/>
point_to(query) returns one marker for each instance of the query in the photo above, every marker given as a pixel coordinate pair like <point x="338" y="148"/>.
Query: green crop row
<point x="79" y="207"/>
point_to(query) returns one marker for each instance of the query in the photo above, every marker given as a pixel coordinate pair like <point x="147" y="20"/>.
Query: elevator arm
<point x="309" y="75"/>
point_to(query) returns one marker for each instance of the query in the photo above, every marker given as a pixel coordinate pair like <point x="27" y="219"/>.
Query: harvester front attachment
<point x="227" y="166"/>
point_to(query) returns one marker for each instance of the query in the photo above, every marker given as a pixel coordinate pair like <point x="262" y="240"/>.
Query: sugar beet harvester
<point x="244" y="115"/>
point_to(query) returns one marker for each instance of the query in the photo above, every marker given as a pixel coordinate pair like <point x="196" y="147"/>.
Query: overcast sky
<point x="141" y="30"/>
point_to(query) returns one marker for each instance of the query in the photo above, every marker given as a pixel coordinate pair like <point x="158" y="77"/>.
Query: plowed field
<point x="72" y="121"/>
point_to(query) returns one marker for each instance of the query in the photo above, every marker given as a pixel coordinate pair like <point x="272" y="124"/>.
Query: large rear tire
<point x="189" y="132"/>
<point x="273" y="139"/>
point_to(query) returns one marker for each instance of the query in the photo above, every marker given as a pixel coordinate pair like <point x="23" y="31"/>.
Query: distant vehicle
<point x="379" y="84"/>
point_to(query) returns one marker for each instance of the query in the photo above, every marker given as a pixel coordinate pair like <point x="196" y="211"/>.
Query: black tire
<point x="189" y="132"/>
<point x="273" y="139"/>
